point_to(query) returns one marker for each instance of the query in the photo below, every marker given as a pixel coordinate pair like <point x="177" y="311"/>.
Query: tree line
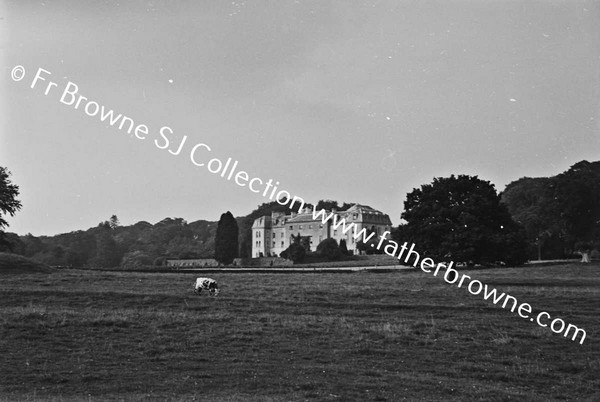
<point x="461" y="218"/>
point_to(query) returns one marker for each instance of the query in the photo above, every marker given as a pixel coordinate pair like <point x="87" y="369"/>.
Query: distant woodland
<point x="559" y="216"/>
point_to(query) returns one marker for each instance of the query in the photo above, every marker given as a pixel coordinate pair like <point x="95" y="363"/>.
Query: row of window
<point x="300" y="227"/>
<point x="258" y="242"/>
<point x="258" y="233"/>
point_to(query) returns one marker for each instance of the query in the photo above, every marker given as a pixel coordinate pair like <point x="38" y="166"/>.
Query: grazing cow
<point x="208" y="284"/>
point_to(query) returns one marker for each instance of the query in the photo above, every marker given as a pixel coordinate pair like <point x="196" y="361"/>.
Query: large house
<point x="273" y="234"/>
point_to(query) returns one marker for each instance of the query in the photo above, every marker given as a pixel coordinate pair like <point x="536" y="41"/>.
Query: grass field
<point x="92" y="335"/>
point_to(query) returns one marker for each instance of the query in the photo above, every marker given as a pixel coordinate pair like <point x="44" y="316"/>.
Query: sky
<point x="357" y="101"/>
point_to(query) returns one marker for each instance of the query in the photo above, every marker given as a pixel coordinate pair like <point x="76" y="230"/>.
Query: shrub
<point x="343" y="247"/>
<point x="294" y="252"/>
<point x="329" y="249"/>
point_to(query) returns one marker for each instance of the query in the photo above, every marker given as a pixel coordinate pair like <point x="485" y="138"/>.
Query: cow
<point x="207" y="284"/>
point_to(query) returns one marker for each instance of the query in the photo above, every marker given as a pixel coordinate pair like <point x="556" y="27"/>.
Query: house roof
<point x="365" y="212"/>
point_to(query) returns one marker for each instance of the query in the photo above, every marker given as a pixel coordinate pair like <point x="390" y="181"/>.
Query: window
<point x="353" y="240"/>
<point x="335" y="232"/>
<point x="273" y="236"/>
<point x="291" y="228"/>
<point x="273" y="243"/>
<point x="282" y="243"/>
<point x="310" y="226"/>
<point x="281" y="234"/>
<point x="321" y="226"/>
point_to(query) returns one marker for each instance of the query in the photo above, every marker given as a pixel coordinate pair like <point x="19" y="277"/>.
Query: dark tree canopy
<point x="329" y="249"/>
<point x="226" y="239"/>
<point x="461" y="218"/>
<point x="108" y="254"/>
<point x="9" y="204"/>
<point x="343" y="247"/>
<point x="558" y="212"/>
<point x="102" y="246"/>
<point x="330" y="205"/>
<point x="297" y="250"/>
<point x="531" y="203"/>
<point x="327" y="205"/>
<point x="578" y="194"/>
<point x="294" y="252"/>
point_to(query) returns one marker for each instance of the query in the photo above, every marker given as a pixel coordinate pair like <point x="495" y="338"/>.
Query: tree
<point x="328" y="205"/>
<point x="114" y="222"/>
<point x="347" y="205"/>
<point x="108" y="254"/>
<point x="461" y="219"/>
<point x="558" y="212"/>
<point x="343" y="247"/>
<point x="578" y="195"/>
<point x="226" y="239"/>
<point x="297" y="250"/>
<point x="329" y="249"/>
<point x="370" y="247"/>
<point x="531" y="203"/>
<point x="135" y="259"/>
<point x="8" y="200"/>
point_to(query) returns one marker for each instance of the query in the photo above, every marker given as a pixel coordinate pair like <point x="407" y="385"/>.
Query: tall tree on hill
<point x="461" y="218"/>
<point x="8" y="200"/>
<point x="226" y="239"/>
<point x="114" y="222"/>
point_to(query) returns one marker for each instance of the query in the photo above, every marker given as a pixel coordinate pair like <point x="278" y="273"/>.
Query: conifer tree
<point x="226" y="239"/>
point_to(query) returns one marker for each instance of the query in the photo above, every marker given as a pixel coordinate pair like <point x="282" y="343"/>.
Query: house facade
<point x="273" y="234"/>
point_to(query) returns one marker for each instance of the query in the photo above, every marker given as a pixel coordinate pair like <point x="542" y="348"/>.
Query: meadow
<point x="98" y="335"/>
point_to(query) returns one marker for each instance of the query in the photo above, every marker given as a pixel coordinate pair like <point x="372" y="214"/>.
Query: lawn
<point x="93" y="335"/>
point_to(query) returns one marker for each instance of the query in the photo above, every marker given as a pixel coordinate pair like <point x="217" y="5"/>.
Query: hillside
<point x="16" y="264"/>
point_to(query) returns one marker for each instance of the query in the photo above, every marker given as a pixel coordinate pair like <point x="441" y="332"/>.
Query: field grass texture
<point x="91" y="335"/>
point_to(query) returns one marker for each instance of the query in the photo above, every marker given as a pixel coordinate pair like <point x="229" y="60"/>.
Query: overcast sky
<point x="352" y="101"/>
